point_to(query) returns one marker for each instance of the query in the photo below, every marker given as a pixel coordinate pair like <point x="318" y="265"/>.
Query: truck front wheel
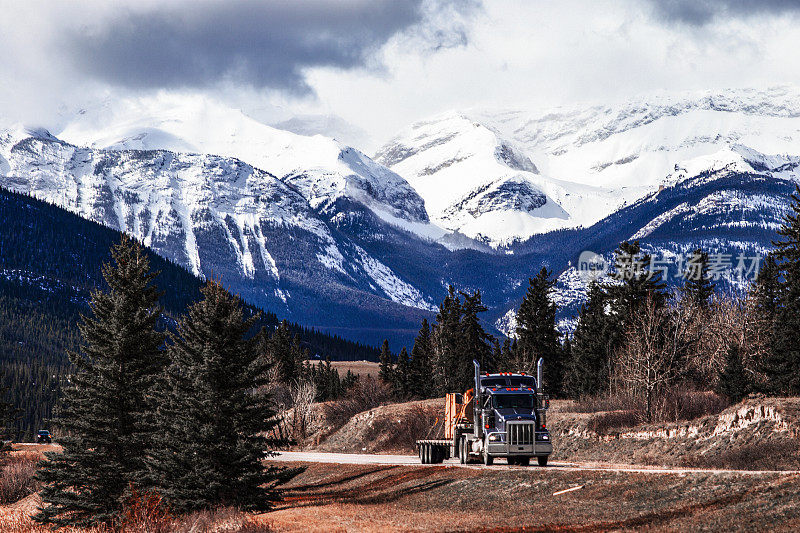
<point x="488" y="460"/>
<point x="542" y="460"/>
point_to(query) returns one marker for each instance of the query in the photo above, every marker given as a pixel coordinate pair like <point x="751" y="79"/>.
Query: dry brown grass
<point x="404" y="433"/>
<point x="679" y="403"/>
<point x="16" y="476"/>
<point x="439" y="498"/>
<point x="359" y="368"/>
<point x="612" y="422"/>
<point x="600" y="403"/>
<point x="147" y="520"/>
<point x="761" y="456"/>
<point x="683" y="404"/>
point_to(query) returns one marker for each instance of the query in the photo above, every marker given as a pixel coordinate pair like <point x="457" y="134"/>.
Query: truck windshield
<point x="513" y="401"/>
<point x="524" y="381"/>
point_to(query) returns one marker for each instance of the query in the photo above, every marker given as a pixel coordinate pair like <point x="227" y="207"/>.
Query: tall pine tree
<point x="636" y="285"/>
<point x="784" y="365"/>
<point x="8" y="415"/>
<point x="733" y="381"/>
<point x="214" y="413"/>
<point x="475" y="342"/>
<point x="422" y="363"/>
<point x="403" y="380"/>
<point x="447" y="345"/>
<point x="697" y="286"/>
<point x="588" y="367"/>
<point x="285" y="354"/>
<point x="537" y="335"/>
<point x="386" y="369"/>
<point x="106" y="412"/>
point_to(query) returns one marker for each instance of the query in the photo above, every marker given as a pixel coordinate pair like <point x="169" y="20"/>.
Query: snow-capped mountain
<point x="223" y="217"/>
<point x="586" y="161"/>
<point x="323" y="169"/>
<point x="318" y="232"/>
<point x="482" y="184"/>
<point x="729" y="203"/>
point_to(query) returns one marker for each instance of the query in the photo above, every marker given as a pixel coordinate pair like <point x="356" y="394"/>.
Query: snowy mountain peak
<point x="323" y="169"/>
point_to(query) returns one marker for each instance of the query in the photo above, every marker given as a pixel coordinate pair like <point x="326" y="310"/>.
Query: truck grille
<point x="520" y="434"/>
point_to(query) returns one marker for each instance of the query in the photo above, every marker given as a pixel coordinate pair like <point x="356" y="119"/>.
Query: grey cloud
<point x="262" y="44"/>
<point x="701" y="12"/>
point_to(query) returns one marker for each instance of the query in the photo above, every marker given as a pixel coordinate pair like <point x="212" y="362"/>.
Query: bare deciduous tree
<point x="658" y="350"/>
<point x="303" y="394"/>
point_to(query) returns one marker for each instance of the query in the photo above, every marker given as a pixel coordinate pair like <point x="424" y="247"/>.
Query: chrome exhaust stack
<point x="539" y="374"/>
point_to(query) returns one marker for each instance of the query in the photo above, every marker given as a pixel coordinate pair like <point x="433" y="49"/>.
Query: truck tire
<point x="523" y="461"/>
<point x="488" y="460"/>
<point x="419" y="448"/>
<point x="462" y="451"/>
<point x="426" y="454"/>
<point x="542" y="460"/>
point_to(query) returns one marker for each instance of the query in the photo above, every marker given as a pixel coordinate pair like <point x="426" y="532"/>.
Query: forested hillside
<point x="50" y="261"/>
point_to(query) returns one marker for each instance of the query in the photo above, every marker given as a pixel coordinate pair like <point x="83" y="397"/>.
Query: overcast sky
<point x="381" y="64"/>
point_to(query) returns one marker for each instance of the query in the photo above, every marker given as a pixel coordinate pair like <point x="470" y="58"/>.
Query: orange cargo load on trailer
<point x="457" y="408"/>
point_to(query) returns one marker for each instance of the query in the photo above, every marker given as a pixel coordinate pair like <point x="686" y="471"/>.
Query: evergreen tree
<point x="448" y="358"/>
<point x="349" y="381"/>
<point x="733" y="380"/>
<point x="475" y="343"/>
<point x="637" y="284"/>
<point x="285" y="353"/>
<point x="214" y="412"/>
<point x="403" y="381"/>
<point x="386" y="371"/>
<point x="506" y="359"/>
<point x="421" y="363"/>
<point x="537" y="335"/>
<point x="588" y="366"/>
<point x="697" y="286"/>
<point x="332" y="384"/>
<point x="784" y="364"/>
<point x="106" y="414"/>
<point x="766" y="291"/>
<point x="8" y="415"/>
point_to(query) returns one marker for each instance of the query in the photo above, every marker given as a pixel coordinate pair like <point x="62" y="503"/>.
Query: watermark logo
<point x="688" y="266"/>
<point x="592" y="266"/>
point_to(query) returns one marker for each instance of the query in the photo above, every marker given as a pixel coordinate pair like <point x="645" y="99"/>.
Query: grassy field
<point x="386" y="498"/>
<point x="360" y="368"/>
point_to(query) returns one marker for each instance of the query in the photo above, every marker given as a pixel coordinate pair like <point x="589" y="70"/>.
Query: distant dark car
<point x="44" y="437"/>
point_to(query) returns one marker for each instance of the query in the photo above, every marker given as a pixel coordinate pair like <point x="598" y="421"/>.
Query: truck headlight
<point x="494" y="438"/>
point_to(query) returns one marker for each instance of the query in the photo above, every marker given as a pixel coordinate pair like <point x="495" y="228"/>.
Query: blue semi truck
<point x="503" y="416"/>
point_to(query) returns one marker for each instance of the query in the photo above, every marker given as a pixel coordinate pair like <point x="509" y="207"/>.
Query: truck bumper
<point x="500" y="449"/>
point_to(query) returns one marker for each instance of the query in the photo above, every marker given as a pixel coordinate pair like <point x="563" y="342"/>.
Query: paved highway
<point x="405" y="460"/>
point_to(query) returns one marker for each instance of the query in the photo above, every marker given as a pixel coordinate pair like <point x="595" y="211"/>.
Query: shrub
<point x="610" y="422"/>
<point x="16" y="477"/>
<point x="682" y="404"/>
<point x="602" y="403"/>
<point x="420" y="424"/>
<point x="367" y="394"/>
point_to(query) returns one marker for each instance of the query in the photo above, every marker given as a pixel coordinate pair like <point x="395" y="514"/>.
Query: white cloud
<point x="446" y="55"/>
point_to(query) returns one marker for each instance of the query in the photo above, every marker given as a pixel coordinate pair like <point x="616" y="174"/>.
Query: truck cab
<point x="513" y="419"/>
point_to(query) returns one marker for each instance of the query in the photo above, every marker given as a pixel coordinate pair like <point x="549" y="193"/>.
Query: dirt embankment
<point x="759" y="433"/>
<point x="390" y="428"/>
